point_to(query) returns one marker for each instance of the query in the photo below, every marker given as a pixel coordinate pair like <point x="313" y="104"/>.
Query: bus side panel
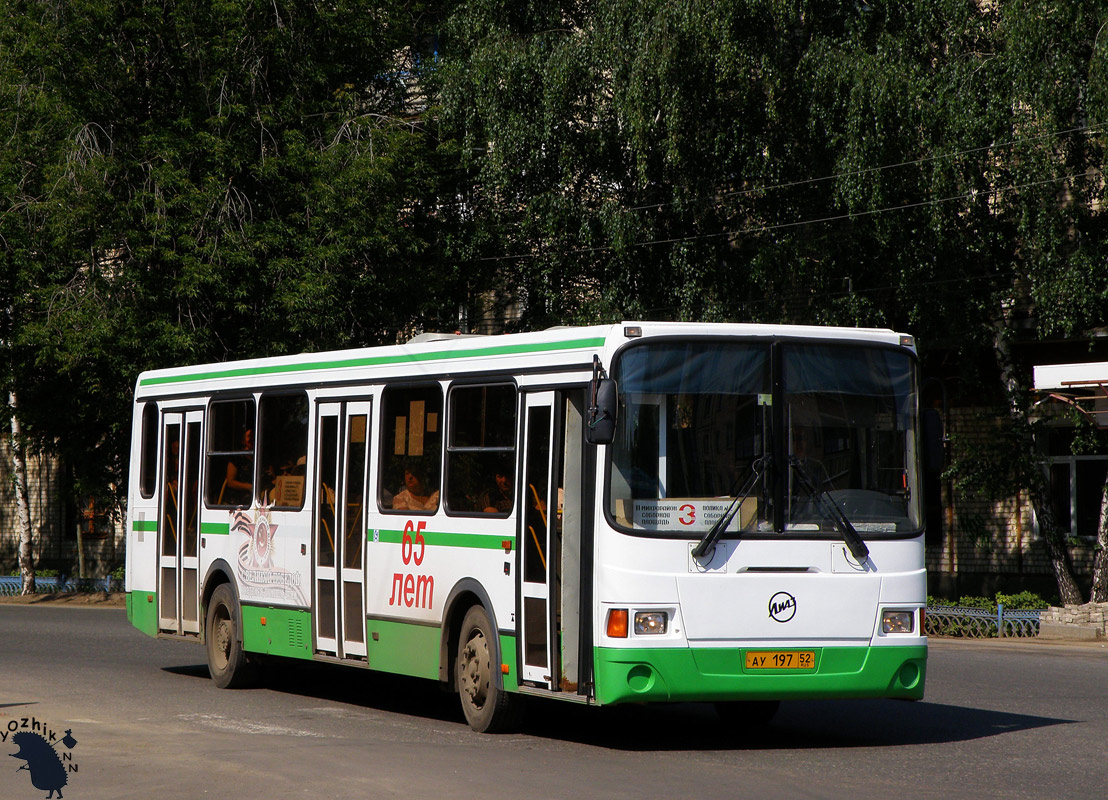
<point x="277" y="631"/>
<point x="142" y="538"/>
<point x="404" y="648"/>
<point x="412" y="566"/>
<point x="142" y="611"/>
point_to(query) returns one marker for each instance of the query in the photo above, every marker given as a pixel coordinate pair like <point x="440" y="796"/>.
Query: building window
<point x="1076" y="486"/>
<point x="1075" y="482"/>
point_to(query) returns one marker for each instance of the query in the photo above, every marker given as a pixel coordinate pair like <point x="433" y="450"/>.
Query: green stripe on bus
<point x="216" y="528"/>
<point x="145" y="525"/>
<point x="375" y="361"/>
<point x="476" y="541"/>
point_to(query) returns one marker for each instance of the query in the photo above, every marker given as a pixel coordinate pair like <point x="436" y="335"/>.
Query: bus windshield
<point x="697" y="426"/>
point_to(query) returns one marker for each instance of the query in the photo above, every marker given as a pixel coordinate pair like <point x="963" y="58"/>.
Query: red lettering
<point x="690" y="513"/>
<point x="409" y="590"/>
<point x="406" y="544"/>
<point x="425" y="591"/>
<point x="397" y="588"/>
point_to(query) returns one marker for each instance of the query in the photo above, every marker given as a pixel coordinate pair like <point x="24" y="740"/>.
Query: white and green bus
<point x="642" y="512"/>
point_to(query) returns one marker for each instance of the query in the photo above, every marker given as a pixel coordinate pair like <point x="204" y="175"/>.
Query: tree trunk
<point x="1100" y="558"/>
<point x="1060" y="561"/>
<point x="23" y="510"/>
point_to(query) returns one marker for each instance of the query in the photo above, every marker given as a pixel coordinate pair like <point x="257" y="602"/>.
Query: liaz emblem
<point x="782" y="607"/>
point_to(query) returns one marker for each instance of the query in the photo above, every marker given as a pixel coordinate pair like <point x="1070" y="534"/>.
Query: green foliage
<point x="1020" y="601"/>
<point x="196" y="182"/>
<point x="211" y="181"/>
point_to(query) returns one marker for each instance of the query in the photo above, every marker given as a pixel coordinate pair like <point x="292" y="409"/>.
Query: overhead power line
<point x="884" y="167"/>
<point x="849" y="215"/>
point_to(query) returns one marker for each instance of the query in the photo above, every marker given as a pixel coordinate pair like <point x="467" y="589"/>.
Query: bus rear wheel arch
<point x="487" y="706"/>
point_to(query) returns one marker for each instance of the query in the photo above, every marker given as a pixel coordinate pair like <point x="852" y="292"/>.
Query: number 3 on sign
<point x="689" y="517"/>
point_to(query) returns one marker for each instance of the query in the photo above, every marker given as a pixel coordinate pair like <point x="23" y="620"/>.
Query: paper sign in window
<point x="401" y="436"/>
<point x="415" y="432"/>
<point x="288" y="490"/>
<point x="357" y="429"/>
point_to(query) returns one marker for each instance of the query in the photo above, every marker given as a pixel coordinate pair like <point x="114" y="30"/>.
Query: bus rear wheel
<point x="487" y="707"/>
<point x="228" y="663"/>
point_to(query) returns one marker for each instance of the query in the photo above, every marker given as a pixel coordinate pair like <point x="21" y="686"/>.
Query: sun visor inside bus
<point x="851" y="371"/>
<point x="695" y="368"/>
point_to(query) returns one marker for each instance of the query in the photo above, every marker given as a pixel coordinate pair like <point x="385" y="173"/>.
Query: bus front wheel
<point x="487" y="707"/>
<point x="228" y="663"/>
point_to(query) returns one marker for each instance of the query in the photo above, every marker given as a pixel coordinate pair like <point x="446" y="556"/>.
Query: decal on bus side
<point x="411" y="589"/>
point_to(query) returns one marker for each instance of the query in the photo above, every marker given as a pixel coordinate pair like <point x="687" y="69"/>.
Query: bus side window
<point x="282" y="450"/>
<point x="148" y="453"/>
<point x="229" y="478"/>
<point x="480" y="457"/>
<point x="411" y="442"/>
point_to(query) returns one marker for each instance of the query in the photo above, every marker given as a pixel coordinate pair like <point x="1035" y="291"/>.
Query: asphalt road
<point x="1004" y="720"/>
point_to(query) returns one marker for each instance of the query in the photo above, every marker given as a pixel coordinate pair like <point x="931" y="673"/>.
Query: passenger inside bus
<point x="498" y="498"/>
<point x="238" y="486"/>
<point x="414" y="495"/>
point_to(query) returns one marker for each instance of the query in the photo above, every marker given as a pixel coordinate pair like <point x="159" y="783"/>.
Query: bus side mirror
<point x="600" y="427"/>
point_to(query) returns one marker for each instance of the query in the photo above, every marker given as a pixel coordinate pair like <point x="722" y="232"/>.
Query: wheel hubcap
<point x="223" y="642"/>
<point x="475" y="670"/>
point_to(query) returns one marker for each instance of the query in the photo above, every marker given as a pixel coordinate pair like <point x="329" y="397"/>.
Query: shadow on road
<point x="800" y="724"/>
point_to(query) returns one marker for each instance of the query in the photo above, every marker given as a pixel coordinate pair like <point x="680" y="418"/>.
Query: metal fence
<point x="11" y="585"/>
<point x="980" y="623"/>
<point x="971" y="623"/>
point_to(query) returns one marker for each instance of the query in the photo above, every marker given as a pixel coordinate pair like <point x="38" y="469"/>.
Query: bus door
<point x="178" y="522"/>
<point x="550" y="530"/>
<point x="342" y="452"/>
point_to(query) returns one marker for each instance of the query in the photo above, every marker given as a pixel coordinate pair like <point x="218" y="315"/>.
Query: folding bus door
<point x="338" y="602"/>
<point x="178" y="522"/>
<point x="552" y="533"/>
<point x="537" y="564"/>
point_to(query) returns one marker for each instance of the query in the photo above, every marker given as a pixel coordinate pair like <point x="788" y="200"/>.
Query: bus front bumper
<point x="637" y="675"/>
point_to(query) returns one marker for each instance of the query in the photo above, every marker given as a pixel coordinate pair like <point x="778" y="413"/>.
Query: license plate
<point x="781" y="659"/>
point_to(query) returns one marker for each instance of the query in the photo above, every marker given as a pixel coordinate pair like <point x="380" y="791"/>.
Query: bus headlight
<point x="647" y="622"/>
<point x="897" y="621"/>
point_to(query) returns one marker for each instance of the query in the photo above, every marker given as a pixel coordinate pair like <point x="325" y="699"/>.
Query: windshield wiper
<point x="709" y="541"/>
<point x="831" y="511"/>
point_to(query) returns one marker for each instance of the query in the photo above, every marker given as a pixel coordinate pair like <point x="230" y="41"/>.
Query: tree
<point x="928" y="166"/>
<point x="190" y="183"/>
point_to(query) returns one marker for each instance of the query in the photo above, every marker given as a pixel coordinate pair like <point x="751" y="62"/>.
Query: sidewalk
<point x="82" y="599"/>
<point x="1027" y="643"/>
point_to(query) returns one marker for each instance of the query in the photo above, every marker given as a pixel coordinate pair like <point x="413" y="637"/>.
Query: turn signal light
<point x="617" y="623"/>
